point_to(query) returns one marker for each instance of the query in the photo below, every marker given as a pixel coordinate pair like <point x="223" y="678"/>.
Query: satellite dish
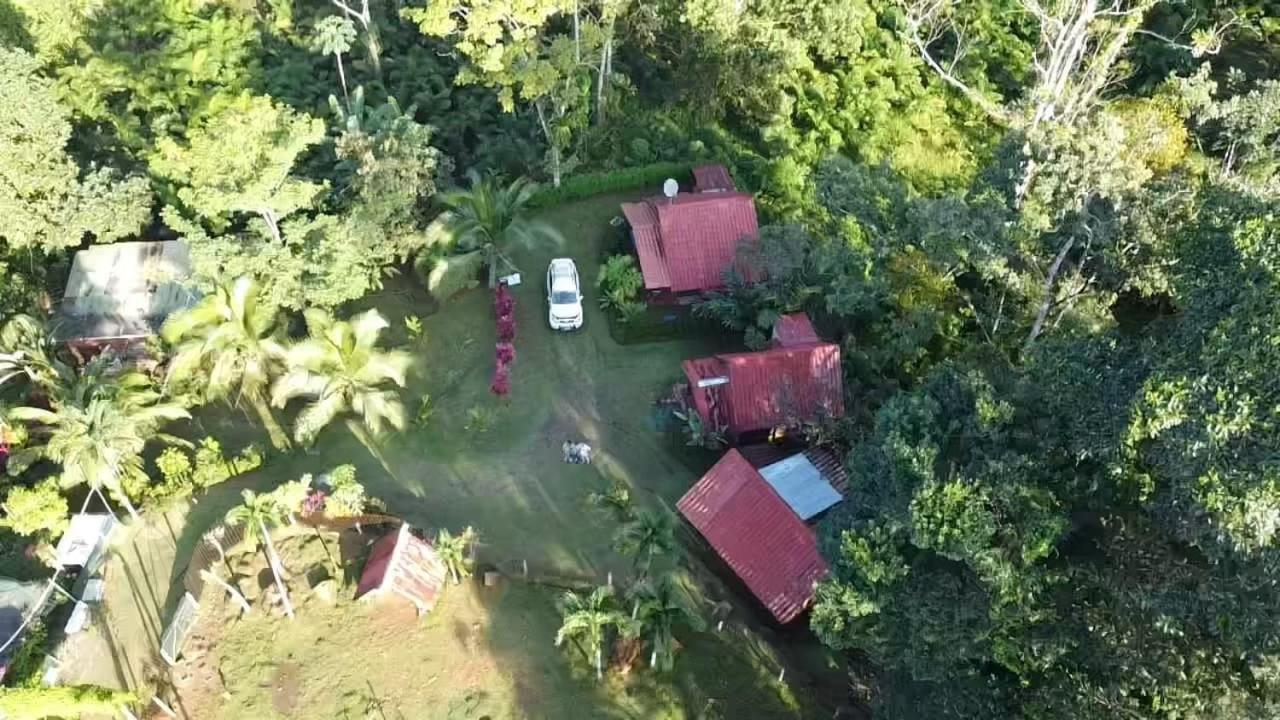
<point x="670" y="188"/>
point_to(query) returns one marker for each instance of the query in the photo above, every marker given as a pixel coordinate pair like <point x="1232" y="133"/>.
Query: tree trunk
<point x="274" y="562"/>
<point x="551" y="144"/>
<point x="273" y="224"/>
<point x="124" y="500"/>
<point x="599" y="664"/>
<point x="600" y="78"/>
<point x="577" y="35"/>
<point x="342" y="77"/>
<point x="1047" y="301"/>
<point x="279" y="439"/>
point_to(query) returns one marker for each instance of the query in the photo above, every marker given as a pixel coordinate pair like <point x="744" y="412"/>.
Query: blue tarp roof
<point x="799" y="483"/>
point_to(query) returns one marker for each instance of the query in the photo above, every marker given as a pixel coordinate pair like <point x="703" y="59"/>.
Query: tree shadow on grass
<point x="715" y="674"/>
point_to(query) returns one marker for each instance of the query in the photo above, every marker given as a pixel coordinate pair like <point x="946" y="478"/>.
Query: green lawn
<point x="508" y="481"/>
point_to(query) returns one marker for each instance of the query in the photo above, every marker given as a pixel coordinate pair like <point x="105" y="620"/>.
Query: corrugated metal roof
<point x="712" y="178"/>
<point x="793" y="330"/>
<point x="758" y="535"/>
<point x="401" y="563"/>
<point x="799" y="482"/>
<point x="776" y="387"/>
<point x="644" y="230"/>
<point x="690" y="242"/>
<point x="770" y="388"/>
<point x="124" y="290"/>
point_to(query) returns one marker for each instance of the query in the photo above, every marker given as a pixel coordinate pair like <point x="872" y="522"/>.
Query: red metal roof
<point x="757" y="534"/>
<point x="770" y="388"/>
<point x="712" y="178"/>
<point x="644" y="229"/>
<point x="404" y="564"/>
<point x="689" y="242"/>
<point x="794" y="329"/>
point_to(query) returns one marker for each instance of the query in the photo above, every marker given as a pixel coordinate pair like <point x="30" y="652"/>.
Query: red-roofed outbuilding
<point x="757" y="534"/>
<point x="797" y="380"/>
<point x="403" y="565"/>
<point x="689" y="243"/>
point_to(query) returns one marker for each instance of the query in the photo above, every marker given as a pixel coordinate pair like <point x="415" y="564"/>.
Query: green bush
<point x="620" y="283"/>
<point x="600" y="183"/>
<point x="182" y="475"/>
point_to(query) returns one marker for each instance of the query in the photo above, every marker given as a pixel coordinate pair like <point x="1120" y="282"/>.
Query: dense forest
<point x="1047" y="233"/>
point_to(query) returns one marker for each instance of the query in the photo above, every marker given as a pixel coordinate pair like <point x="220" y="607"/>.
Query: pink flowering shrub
<point x="314" y="503"/>
<point x="506" y="329"/>
<point x="501" y="384"/>
<point x="504" y="352"/>
<point x="503" y="303"/>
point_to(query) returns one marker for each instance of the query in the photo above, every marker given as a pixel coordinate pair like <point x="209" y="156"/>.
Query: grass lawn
<point x="495" y="465"/>
<point x="482" y="652"/>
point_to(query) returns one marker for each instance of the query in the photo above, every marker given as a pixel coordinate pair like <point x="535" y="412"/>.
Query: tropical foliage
<point x="96" y="430"/>
<point x="340" y="370"/>
<point x="1043" y="234"/>
<point x="225" y="346"/>
<point x="587" y="621"/>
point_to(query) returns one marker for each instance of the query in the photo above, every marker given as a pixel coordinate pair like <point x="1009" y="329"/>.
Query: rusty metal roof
<point x="757" y="534"/>
<point x="712" y="178"/>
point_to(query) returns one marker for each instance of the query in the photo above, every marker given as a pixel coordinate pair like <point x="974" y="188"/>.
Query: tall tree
<point x="333" y="36"/>
<point x="46" y="201"/>
<point x="588" y="619"/>
<point x="258" y="514"/>
<point x="340" y="370"/>
<point x="97" y="428"/>
<point x="226" y="343"/>
<point x="241" y="160"/>
<point x="507" y="47"/>
<point x="646" y="536"/>
<point x="487" y="219"/>
<point x="661" y="607"/>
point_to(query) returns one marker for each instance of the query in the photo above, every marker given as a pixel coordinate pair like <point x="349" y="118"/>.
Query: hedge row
<point x="662" y="323"/>
<point x="599" y="183"/>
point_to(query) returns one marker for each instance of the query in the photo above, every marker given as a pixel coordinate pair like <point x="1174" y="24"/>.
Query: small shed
<point x="122" y="293"/>
<point x="404" y="565"/>
<point x="85" y="541"/>
<point x="712" y="178"/>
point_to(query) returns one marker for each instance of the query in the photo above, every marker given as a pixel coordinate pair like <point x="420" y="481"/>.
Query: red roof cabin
<point x="403" y="565"/>
<point x="753" y="525"/>
<point x="689" y="243"/>
<point x="796" y="380"/>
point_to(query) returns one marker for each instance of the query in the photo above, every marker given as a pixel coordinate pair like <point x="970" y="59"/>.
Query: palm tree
<point x="589" y="619"/>
<point x="659" y="609"/>
<point x="97" y="428"/>
<point x="487" y="219"/>
<point x="646" y="536"/>
<point x="226" y="341"/>
<point x="26" y="351"/>
<point x="334" y="36"/>
<point x="258" y="514"/>
<point x="452" y="550"/>
<point x="340" y="369"/>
